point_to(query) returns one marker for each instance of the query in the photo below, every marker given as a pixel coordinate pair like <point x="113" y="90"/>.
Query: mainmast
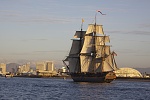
<point x="93" y="53"/>
<point x="102" y="53"/>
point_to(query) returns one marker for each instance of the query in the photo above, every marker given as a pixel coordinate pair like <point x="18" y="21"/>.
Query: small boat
<point x="8" y="76"/>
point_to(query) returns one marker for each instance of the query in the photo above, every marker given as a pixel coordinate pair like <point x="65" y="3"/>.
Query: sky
<point x="41" y="30"/>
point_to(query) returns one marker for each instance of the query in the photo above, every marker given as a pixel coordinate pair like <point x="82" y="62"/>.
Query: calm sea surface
<point x="59" y="89"/>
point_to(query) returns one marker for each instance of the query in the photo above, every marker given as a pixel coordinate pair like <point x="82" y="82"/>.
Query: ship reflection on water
<point x="60" y="89"/>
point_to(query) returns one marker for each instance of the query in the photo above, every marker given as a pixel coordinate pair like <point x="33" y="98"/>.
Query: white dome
<point x="127" y="72"/>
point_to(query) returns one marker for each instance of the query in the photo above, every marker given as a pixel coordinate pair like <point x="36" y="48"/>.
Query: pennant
<point x="100" y="12"/>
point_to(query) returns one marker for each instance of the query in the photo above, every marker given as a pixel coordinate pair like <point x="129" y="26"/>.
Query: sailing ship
<point x="90" y="58"/>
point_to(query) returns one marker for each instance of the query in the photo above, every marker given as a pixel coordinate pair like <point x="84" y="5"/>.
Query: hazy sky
<point x="34" y="30"/>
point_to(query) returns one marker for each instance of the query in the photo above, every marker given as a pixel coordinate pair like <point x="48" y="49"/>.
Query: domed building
<point x="127" y="72"/>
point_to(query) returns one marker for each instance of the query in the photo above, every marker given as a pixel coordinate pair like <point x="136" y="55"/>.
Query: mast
<point x="94" y="46"/>
<point x="74" y="55"/>
<point x="80" y="44"/>
<point x="103" y="50"/>
<point x="103" y="56"/>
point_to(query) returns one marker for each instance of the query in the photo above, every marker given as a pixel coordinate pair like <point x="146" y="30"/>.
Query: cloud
<point x="16" y="16"/>
<point x="138" y="32"/>
<point x="53" y="51"/>
<point x="9" y="15"/>
<point x="43" y="20"/>
<point x="146" y="25"/>
<point x="34" y="40"/>
<point x="144" y="55"/>
<point x="9" y="12"/>
<point x="113" y="31"/>
<point x="127" y="51"/>
<point x="130" y="32"/>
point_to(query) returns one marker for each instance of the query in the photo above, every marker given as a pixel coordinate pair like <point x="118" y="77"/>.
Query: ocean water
<point x="60" y="89"/>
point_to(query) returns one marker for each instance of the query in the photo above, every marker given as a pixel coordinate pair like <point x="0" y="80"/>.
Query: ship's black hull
<point x="105" y="77"/>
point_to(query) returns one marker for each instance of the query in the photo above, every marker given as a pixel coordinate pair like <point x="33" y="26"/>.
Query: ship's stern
<point x="110" y="77"/>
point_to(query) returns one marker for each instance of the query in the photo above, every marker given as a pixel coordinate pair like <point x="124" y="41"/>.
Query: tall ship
<point x="90" y="58"/>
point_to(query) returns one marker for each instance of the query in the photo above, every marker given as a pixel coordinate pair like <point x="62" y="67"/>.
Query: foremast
<point x="74" y="54"/>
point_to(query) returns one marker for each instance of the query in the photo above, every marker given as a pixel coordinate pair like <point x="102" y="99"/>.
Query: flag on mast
<point x="82" y="24"/>
<point x="82" y="20"/>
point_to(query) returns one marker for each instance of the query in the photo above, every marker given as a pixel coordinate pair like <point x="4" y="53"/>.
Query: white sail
<point x="107" y="65"/>
<point x="91" y="28"/>
<point x="88" y="44"/>
<point x="102" y="50"/>
<point x="102" y="53"/>
<point x="114" y="63"/>
<point x="111" y="64"/>
<point x="86" y="63"/>
<point x="101" y="40"/>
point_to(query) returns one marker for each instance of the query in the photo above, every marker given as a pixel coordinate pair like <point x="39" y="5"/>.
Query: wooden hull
<point x="105" y="77"/>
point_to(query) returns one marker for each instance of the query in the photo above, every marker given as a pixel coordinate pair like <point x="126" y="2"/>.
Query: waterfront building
<point x="127" y="72"/>
<point x="49" y="66"/>
<point x="63" y="71"/>
<point x="40" y="66"/>
<point x="24" y="68"/>
<point x="46" y="69"/>
<point x="2" y="68"/>
<point x="45" y="66"/>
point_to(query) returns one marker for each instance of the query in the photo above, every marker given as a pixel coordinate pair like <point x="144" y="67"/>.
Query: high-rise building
<point x="40" y="66"/>
<point x="46" y="69"/>
<point x="45" y="66"/>
<point x="27" y="67"/>
<point x="49" y="66"/>
<point x="3" y="68"/>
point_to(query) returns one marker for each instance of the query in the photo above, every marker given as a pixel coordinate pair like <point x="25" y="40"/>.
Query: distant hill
<point x="143" y="70"/>
<point x="11" y="66"/>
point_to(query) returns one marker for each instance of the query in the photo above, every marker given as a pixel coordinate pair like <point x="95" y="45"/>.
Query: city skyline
<point x="37" y="30"/>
